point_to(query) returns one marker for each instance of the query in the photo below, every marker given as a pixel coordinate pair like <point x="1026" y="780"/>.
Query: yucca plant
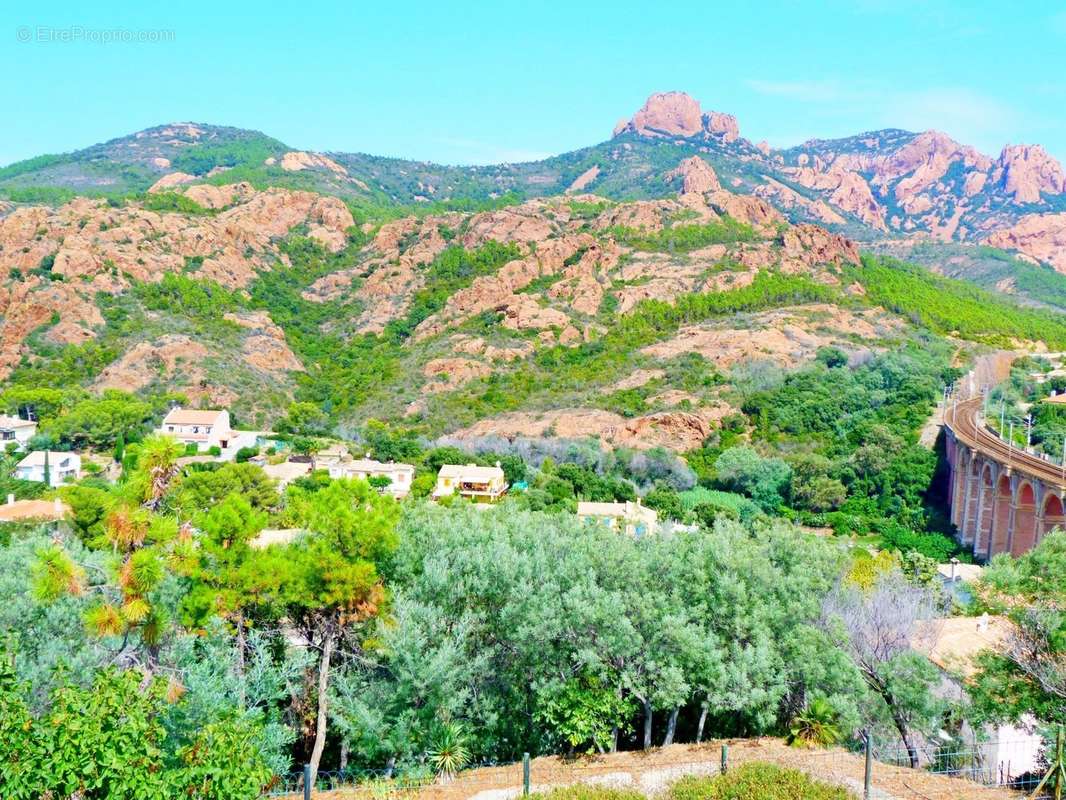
<point x="815" y="726"/>
<point x="448" y="751"/>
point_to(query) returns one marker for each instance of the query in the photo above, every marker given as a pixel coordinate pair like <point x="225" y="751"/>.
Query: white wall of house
<point x="13" y="429"/>
<point x="62" y="468"/>
<point x="203" y="434"/>
<point x="400" y="475"/>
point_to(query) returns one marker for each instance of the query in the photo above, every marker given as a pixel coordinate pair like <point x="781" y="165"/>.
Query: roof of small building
<point x="586" y="508"/>
<point x="470" y="472"/>
<point x="32" y="509"/>
<point x="36" y="458"/>
<point x="1056" y="398"/>
<point x="287" y="470"/>
<point x="963" y="572"/>
<point x="191" y="416"/>
<point x="952" y="643"/>
<point x="10" y="423"/>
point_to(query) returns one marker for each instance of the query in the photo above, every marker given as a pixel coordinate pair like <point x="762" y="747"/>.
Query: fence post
<point x="725" y="758"/>
<point x="307" y="782"/>
<point x="525" y="773"/>
<point x="868" y="776"/>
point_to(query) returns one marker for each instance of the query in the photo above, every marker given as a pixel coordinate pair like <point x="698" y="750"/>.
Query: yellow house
<point x="480" y="484"/>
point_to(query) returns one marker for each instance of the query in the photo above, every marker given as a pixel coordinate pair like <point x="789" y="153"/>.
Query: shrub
<point x="214" y="450"/>
<point x="756" y="781"/>
<point x="245" y="453"/>
<point x="581" y="791"/>
<point x="815" y="726"/>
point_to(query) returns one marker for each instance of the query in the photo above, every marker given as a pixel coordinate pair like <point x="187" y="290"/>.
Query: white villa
<point x="633" y="519"/>
<point x="480" y="484"/>
<point x="206" y="428"/>
<point x="62" y="467"/>
<point x="13" y="429"/>
<point x="400" y="475"/>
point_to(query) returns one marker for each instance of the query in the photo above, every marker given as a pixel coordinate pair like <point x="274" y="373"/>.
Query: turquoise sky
<point x="483" y="82"/>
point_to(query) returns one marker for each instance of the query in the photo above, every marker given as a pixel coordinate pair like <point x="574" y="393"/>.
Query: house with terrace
<point x="479" y="484"/>
<point x="390" y="478"/>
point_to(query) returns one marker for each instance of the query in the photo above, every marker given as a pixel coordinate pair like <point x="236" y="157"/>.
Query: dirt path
<point x="652" y="771"/>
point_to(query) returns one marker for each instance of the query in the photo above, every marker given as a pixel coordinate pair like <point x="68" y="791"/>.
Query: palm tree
<point x="157" y="460"/>
<point x="815" y="726"/>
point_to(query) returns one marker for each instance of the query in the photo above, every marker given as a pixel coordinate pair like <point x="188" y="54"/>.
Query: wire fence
<point x="996" y="770"/>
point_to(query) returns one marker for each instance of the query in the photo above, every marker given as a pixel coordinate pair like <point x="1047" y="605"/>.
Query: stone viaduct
<point x="1003" y="499"/>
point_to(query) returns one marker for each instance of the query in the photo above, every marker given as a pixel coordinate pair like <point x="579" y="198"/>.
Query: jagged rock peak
<point x="1028" y="170"/>
<point x="678" y="114"/>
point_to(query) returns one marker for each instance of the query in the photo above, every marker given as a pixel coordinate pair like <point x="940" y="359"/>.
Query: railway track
<point x="963" y="419"/>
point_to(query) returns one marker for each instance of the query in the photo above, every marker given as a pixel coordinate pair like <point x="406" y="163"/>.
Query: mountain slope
<point x="571" y="315"/>
<point x="886" y="184"/>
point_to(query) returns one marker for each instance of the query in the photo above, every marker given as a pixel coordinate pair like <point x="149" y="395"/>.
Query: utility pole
<point x="1028" y="431"/>
<point x="1010" y="445"/>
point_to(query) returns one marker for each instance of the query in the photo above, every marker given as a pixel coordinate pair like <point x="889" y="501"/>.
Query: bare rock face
<point x="450" y="373"/>
<point x="697" y="176"/>
<point x="524" y="223"/>
<point x="168" y="182"/>
<point x="174" y="356"/>
<point x="724" y="125"/>
<point x="1039" y="237"/>
<point x="583" y="180"/>
<point x="744" y="208"/>
<point x="296" y="160"/>
<point x="1028" y="171"/>
<point x="818" y="246"/>
<point x="218" y="197"/>
<point x="97" y="248"/>
<point x="678" y="431"/>
<point x="666" y="114"/>
<point x="265" y="348"/>
<point x="678" y="114"/>
<point x="702" y="191"/>
<point x="525" y="313"/>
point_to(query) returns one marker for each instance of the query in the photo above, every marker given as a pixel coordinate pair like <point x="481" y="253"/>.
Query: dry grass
<point x="651" y="771"/>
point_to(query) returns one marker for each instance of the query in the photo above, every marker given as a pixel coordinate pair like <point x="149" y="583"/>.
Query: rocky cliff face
<point x="883" y="184"/>
<point x="891" y="183"/>
<point x="58" y="259"/>
<point x="677" y="114"/>
<point x="573" y="272"/>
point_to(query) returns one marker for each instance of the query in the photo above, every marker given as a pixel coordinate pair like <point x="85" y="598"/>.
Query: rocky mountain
<point x="888" y="184"/>
<point x="254" y="298"/>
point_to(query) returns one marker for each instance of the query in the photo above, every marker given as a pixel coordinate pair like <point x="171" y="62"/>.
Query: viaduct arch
<point x="1003" y="499"/>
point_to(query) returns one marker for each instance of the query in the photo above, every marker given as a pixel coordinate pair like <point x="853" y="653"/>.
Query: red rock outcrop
<point x="678" y="431"/>
<point x="265" y="348"/>
<point x="169" y="182"/>
<point x="296" y="160"/>
<point x="146" y="362"/>
<point x="1040" y="237"/>
<point x="1028" y="171"/>
<point x="449" y="373"/>
<point x="697" y="176"/>
<point x="678" y="114"/>
<point x="97" y="248"/>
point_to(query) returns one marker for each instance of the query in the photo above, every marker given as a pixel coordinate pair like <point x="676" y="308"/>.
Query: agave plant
<point x="815" y="726"/>
<point x="448" y="751"/>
